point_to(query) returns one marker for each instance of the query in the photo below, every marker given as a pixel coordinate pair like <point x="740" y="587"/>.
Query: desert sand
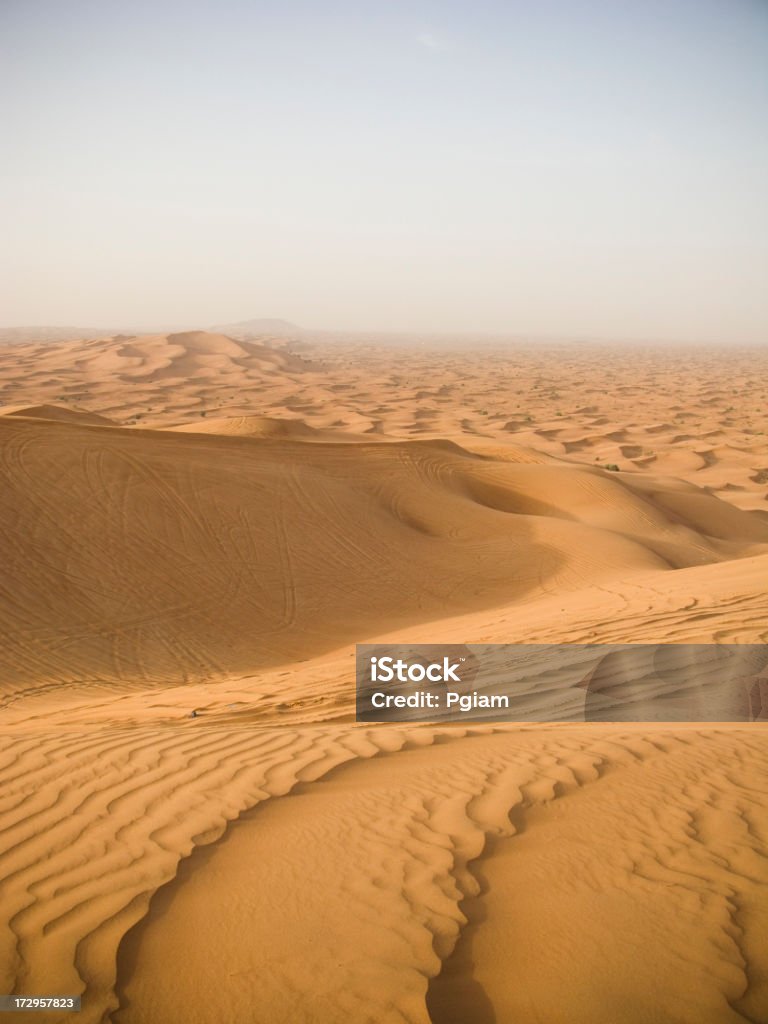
<point x="196" y="530"/>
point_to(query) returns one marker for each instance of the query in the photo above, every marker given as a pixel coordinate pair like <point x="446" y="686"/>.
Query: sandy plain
<point x="193" y="523"/>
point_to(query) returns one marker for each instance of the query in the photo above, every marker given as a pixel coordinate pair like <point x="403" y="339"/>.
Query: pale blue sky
<point x="567" y="167"/>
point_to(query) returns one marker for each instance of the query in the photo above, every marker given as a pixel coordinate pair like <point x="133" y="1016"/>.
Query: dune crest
<point x="63" y="413"/>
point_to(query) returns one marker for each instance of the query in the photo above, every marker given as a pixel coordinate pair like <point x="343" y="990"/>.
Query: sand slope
<point x="166" y="557"/>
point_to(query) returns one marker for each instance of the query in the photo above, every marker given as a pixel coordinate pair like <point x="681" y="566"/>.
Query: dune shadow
<point x="455" y="995"/>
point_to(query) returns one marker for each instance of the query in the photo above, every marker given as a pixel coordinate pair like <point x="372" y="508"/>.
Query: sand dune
<point x="251" y="426"/>
<point x="60" y="413"/>
<point x="153" y="557"/>
<point x="180" y="370"/>
<point x="271" y="426"/>
<point x="661" y="410"/>
<point x="195" y="530"/>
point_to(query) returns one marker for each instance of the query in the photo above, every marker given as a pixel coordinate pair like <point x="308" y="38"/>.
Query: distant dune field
<point x="195" y="530"/>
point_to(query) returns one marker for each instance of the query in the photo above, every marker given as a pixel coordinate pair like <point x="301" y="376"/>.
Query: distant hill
<point x="260" y="327"/>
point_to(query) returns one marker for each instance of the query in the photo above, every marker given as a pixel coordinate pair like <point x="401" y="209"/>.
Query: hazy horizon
<point x="567" y="169"/>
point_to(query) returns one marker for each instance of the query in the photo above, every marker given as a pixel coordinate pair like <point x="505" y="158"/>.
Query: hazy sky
<point x="577" y="167"/>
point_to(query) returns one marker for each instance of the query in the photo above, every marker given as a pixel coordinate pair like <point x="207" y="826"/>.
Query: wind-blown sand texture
<point x="192" y="827"/>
